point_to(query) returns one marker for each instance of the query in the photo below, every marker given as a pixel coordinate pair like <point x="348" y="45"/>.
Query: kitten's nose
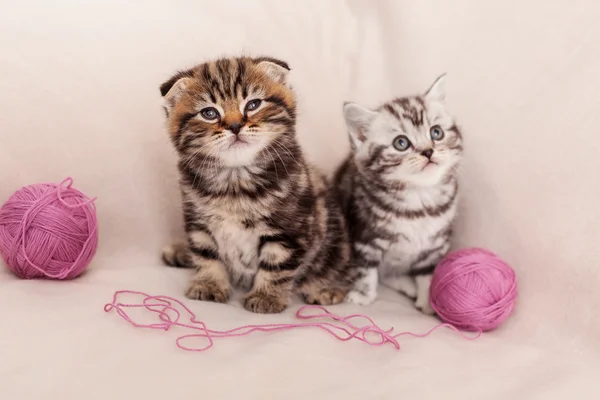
<point x="427" y="153"/>
<point x="235" y="128"/>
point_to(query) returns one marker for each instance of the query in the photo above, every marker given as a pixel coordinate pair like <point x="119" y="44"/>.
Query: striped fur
<point x="400" y="203"/>
<point x="257" y="215"/>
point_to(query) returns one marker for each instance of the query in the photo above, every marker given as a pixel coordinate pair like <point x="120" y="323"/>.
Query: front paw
<point x="424" y="306"/>
<point x="422" y="303"/>
<point x="264" y="303"/>
<point x="208" y="290"/>
<point x="360" y="298"/>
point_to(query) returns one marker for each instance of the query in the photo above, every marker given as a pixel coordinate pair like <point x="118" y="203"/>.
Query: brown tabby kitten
<point x="257" y="215"/>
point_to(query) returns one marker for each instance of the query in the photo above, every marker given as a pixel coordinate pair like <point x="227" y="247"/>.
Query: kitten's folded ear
<point x="172" y="89"/>
<point x="275" y="69"/>
<point x="358" y="120"/>
<point x="437" y="91"/>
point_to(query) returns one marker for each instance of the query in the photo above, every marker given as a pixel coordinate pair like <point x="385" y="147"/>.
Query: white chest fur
<point x="416" y="235"/>
<point x="238" y="248"/>
<point x="237" y="243"/>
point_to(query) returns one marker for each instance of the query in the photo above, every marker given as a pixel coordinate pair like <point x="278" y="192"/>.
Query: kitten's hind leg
<point x="315" y="293"/>
<point x="406" y="285"/>
<point x="330" y="275"/>
<point x="177" y="255"/>
<point x="364" y="291"/>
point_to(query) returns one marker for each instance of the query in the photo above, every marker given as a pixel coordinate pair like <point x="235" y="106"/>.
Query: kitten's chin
<point x="240" y="154"/>
<point x="429" y="175"/>
<point x="242" y="151"/>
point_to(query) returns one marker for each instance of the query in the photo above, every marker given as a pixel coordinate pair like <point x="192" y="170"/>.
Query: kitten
<point x="398" y="190"/>
<point x="257" y="215"/>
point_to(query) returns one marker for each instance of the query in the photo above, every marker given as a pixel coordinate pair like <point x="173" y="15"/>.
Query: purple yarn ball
<point x="473" y="289"/>
<point x="48" y="231"/>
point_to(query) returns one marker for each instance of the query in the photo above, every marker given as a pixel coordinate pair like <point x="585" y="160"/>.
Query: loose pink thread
<point x="169" y="315"/>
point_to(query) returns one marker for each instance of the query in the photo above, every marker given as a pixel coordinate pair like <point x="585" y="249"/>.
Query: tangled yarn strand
<point x="173" y="313"/>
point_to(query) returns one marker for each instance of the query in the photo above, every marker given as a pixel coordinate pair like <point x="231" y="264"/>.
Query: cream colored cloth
<point x="79" y="97"/>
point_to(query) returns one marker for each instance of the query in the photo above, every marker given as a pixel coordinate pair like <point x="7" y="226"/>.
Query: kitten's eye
<point x="401" y="143"/>
<point x="209" y="113"/>
<point x="253" y="104"/>
<point x="436" y="133"/>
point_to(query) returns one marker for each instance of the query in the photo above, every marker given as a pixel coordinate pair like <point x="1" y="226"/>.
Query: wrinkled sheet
<point x="79" y="97"/>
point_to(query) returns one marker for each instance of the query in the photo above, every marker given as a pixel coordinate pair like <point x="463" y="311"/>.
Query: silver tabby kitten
<point x="399" y="189"/>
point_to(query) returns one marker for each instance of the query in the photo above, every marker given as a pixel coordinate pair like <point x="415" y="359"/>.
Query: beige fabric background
<point x="79" y="97"/>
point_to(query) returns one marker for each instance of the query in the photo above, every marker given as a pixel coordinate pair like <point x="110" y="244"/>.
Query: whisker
<point x="284" y="148"/>
<point x="274" y="163"/>
<point x="282" y="162"/>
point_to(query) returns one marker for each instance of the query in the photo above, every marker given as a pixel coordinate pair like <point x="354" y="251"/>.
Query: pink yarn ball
<point x="48" y="231"/>
<point x="473" y="289"/>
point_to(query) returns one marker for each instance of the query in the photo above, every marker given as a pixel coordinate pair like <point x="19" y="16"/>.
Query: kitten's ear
<point x="173" y="89"/>
<point x="358" y="120"/>
<point x="437" y="91"/>
<point x="275" y="69"/>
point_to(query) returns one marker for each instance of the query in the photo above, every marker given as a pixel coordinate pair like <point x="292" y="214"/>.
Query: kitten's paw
<point x="208" y="290"/>
<point x="326" y="297"/>
<point x="404" y="284"/>
<point x="359" y="298"/>
<point x="365" y="288"/>
<point x="264" y="303"/>
<point x="422" y="302"/>
<point x="424" y="308"/>
<point x="176" y="255"/>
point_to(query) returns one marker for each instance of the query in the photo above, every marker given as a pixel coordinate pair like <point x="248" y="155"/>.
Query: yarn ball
<point x="473" y="289"/>
<point x="48" y="230"/>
